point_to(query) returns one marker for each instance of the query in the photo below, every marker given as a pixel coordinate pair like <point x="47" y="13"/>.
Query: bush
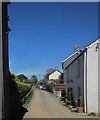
<point x="23" y="88"/>
<point x="92" y="114"/>
<point x="62" y="98"/>
<point x="27" y="98"/>
<point x="70" y="107"/>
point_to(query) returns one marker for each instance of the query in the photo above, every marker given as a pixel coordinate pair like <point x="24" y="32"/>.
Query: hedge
<point x="27" y="98"/>
<point x="23" y="88"/>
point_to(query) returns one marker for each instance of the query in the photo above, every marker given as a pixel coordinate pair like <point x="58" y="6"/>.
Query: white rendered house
<point x="81" y="76"/>
<point x="55" y="75"/>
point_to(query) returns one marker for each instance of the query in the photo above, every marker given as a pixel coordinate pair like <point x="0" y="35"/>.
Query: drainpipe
<point x="85" y="81"/>
<point x="98" y="77"/>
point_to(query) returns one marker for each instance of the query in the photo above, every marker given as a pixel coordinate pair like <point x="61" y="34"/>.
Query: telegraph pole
<point x="39" y="77"/>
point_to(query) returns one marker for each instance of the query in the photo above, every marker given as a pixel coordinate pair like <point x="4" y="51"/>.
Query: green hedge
<point x="23" y="88"/>
<point x="27" y="98"/>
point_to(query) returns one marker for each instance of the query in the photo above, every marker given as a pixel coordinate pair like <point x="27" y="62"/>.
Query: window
<point x="79" y="91"/>
<point x="68" y="74"/>
<point x="67" y="81"/>
<point x="78" y="68"/>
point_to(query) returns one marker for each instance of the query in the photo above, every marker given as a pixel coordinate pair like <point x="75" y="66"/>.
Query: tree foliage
<point x="15" y="99"/>
<point x="23" y="86"/>
<point x="14" y="77"/>
<point x="41" y="82"/>
<point x="61" y="78"/>
<point x="48" y="72"/>
<point x="34" y="79"/>
<point x="22" y="77"/>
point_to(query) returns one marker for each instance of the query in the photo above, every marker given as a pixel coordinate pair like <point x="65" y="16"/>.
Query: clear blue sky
<point x="44" y="34"/>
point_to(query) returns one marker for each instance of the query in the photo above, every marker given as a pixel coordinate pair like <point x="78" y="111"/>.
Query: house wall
<point x="76" y="74"/>
<point x="65" y="63"/>
<point x="92" y="78"/>
<point x="54" y="75"/>
<point x="88" y="79"/>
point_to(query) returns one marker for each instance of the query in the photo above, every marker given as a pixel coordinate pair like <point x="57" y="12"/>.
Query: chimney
<point x="56" y="68"/>
<point x="76" y="48"/>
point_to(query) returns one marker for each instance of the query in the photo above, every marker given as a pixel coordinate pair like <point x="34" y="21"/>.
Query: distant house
<point x="55" y="75"/>
<point x="80" y="73"/>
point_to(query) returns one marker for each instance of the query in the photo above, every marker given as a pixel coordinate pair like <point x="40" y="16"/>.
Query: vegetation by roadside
<point x="92" y="114"/>
<point x="27" y="99"/>
<point x="24" y="88"/>
<point x="74" y="109"/>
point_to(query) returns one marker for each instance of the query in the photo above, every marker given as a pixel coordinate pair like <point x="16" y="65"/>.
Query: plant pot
<point x="80" y="109"/>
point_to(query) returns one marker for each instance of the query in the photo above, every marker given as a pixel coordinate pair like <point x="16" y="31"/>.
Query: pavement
<point x="47" y="105"/>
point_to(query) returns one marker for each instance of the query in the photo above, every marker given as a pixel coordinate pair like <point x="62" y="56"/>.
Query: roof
<point x="93" y="42"/>
<point x="86" y="47"/>
<point x="55" y="71"/>
<point x="70" y="56"/>
<point x="76" y="58"/>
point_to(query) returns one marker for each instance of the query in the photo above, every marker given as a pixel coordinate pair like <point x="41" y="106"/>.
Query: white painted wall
<point x="54" y="75"/>
<point x="92" y="78"/>
<point x="1" y="71"/>
<point x="99" y="78"/>
<point x="88" y="80"/>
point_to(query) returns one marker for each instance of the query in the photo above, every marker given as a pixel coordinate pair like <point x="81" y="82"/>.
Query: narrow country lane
<point x="46" y="105"/>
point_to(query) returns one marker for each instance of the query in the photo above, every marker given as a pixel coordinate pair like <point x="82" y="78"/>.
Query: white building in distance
<point x="55" y="75"/>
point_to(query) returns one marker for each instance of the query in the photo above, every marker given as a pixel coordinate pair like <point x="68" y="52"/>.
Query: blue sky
<point x="44" y="34"/>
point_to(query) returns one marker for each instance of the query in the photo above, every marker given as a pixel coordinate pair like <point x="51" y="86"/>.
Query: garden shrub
<point x="23" y="88"/>
<point x="92" y="114"/>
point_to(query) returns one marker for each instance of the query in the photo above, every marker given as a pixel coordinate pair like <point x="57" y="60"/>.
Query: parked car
<point x="44" y="87"/>
<point x="40" y="87"/>
<point x="37" y="86"/>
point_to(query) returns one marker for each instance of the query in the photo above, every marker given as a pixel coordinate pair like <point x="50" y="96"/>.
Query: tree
<point x="42" y="82"/>
<point x="48" y="72"/>
<point x="34" y="79"/>
<point x="46" y="76"/>
<point x="22" y="77"/>
<point x="61" y="78"/>
<point x="14" y="77"/>
<point x="16" y="107"/>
